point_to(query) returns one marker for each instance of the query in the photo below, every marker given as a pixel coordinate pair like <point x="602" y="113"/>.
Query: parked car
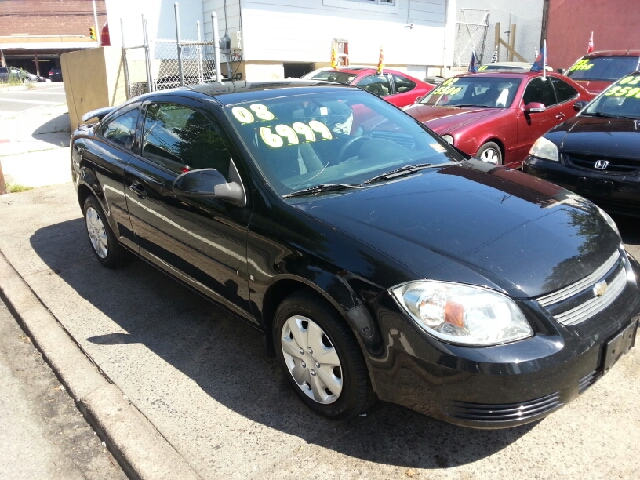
<point x="497" y="116"/>
<point x="597" y="153"/>
<point x="374" y="258"/>
<point x="597" y="70"/>
<point x="24" y="76"/>
<point x="4" y="74"/>
<point x="395" y="87"/>
<point x="509" y="67"/>
<point x="55" y="75"/>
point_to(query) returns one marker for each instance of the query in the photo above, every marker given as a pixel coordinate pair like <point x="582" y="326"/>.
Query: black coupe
<point x="376" y="260"/>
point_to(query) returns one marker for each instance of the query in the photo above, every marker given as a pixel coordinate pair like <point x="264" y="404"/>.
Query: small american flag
<point x="494" y="57"/>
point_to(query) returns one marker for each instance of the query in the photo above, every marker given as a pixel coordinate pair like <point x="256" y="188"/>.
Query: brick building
<point x="33" y="33"/>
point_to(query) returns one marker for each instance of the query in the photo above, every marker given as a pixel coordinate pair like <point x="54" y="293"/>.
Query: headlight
<point x="544" y="148"/>
<point x="448" y="139"/>
<point x="462" y="314"/>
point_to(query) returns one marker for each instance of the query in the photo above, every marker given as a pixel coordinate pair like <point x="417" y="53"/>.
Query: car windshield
<point x="474" y="91"/>
<point x="622" y="99"/>
<point x="333" y="136"/>
<point x="334" y="76"/>
<point x="602" y="68"/>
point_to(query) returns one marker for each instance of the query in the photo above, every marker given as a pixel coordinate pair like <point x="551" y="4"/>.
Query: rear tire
<point x="490" y="152"/>
<point x="321" y="358"/>
<point x="103" y="242"/>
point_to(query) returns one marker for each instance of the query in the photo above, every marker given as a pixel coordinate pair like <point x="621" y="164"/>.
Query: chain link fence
<point x="193" y="64"/>
<point x="472" y="32"/>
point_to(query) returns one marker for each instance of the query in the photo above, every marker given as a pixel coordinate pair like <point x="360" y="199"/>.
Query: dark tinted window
<point x="539" y="91"/>
<point x="376" y="84"/>
<point x="403" y="84"/>
<point x="122" y="129"/>
<point x="602" y="68"/>
<point x="564" y="91"/>
<point x="334" y="76"/>
<point x="180" y="137"/>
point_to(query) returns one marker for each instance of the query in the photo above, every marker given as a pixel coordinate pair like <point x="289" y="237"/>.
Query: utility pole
<point x="95" y="20"/>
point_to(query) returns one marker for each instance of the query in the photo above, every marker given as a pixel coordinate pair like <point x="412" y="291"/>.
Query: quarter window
<point x="377" y="84"/>
<point x="539" y="91"/>
<point x="564" y="91"/>
<point x="122" y="129"/>
<point x="403" y="85"/>
<point x="180" y="138"/>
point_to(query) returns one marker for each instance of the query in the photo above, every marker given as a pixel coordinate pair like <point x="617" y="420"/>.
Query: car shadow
<point x="226" y="358"/>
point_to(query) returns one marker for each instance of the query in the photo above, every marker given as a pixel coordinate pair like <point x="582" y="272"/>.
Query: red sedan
<point x="498" y="116"/>
<point x="597" y="70"/>
<point x="395" y="87"/>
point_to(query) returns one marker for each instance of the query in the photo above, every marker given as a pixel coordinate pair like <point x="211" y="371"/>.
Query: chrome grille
<point x="504" y="412"/>
<point x="595" y="305"/>
<point x="580" y="285"/>
<point x="619" y="166"/>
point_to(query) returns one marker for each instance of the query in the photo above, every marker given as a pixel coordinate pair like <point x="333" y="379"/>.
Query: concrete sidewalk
<point x="34" y="146"/>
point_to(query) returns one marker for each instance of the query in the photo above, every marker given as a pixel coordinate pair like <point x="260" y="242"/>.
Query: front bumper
<point x="615" y="193"/>
<point x="502" y="386"/>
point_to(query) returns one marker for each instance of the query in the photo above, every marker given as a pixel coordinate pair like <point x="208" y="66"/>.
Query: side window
<point x="179" y="137"/>
<point x="539" y="91"/>
<point x="122" y="129"/>
<point x="403" y="84"/>
<point x="376" y="84"/>
<point x="564" y="91"/>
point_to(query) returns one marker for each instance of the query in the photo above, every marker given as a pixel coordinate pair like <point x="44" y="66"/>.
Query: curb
<point x="142" y="452"/>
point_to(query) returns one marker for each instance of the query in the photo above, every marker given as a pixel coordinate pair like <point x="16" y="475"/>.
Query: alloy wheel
<point x="97" y="232"/>
<point x="312" y="359"/>
<point x="490" y="155"/>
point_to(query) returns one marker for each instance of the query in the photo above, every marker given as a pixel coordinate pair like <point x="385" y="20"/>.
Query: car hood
<point x="593" y="86"/>
<point x="448" y="119"/>
<point x="605" y="137"/>
<point x="473" y="220"/>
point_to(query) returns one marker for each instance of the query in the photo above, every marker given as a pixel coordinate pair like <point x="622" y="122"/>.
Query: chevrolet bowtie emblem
<point x="600" y="288"/>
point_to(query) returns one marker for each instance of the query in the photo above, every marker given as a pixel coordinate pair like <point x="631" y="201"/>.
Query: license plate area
<point x="594" y="186"/>
<point x="619" y="345"/>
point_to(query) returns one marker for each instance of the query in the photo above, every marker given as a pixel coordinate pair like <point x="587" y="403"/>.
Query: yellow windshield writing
<point x="482" y="68"/>
<point x="275" y="136"/>
<point x="255" y="112"/>
<point x="582" y="64"/>
<point x="447" y="87"/>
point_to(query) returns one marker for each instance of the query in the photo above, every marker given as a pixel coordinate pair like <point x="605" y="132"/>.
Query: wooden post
<point x="497" y="39"/>
<point x="3" y="186"/>
<point x="512" y="41"/>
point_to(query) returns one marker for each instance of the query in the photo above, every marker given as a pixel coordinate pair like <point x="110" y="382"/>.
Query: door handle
<point x="560" y="116"/>
<point x="138" y="189"/>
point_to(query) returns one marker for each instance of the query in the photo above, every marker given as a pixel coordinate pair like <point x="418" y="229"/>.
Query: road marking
<point x="40" y="92"/>
<point x="39" y="102"/>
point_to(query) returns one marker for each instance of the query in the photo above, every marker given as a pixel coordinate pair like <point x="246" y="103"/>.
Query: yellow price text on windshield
<point x="482" y="68"/>
<point x="581" y="65"/>
<point x="255" y="110"/>
<point x="619" y="91"/>
<point x="276" y="136"/>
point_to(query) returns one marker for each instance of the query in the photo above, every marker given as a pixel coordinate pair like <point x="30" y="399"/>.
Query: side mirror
<point x="209" y="183"/>
<point x="579" y="105"/>
<point x="534" y="107"/>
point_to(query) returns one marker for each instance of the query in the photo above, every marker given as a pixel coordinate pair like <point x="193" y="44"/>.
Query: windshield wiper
<point x="398" y="172"/>
<point x="323" y="187"/>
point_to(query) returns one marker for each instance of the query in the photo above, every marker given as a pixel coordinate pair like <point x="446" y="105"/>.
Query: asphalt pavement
<point x="178" y="388"/>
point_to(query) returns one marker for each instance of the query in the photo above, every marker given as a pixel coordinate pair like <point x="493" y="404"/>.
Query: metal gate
<point x="471" y="32"/>
<point x="163" y="64"/>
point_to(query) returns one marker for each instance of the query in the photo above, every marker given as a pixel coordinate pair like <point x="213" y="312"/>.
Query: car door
<point x="105" y="156"/>
<point x="531" y="125"/>
<point x="201" y="241"/>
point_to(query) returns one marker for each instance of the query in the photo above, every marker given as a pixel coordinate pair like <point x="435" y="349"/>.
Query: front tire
<point x="105" y="246"/>
<point x="321" y="358"/>
<point x="490" y="152"/>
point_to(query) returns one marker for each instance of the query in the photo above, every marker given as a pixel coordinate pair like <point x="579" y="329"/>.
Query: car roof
<point x="503" y="74"/>
<point x="613" y="53"/>
<point x="230" y="92"/>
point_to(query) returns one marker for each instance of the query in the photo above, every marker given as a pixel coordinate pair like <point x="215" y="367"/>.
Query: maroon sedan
<point x="596" y="71"/>
<point x="498" y="116"/>
<point x="395" y="87"/>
